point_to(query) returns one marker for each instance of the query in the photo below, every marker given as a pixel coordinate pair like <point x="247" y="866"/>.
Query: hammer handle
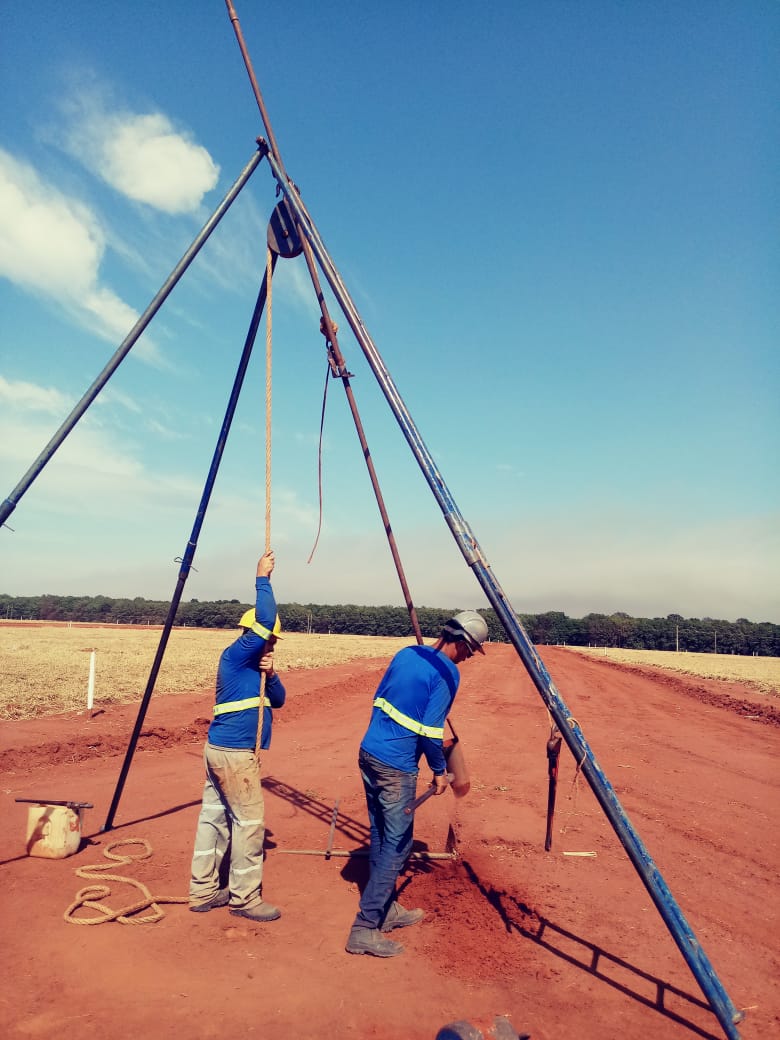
<point x="425" y="796"/>
<point x="53" y="801"/>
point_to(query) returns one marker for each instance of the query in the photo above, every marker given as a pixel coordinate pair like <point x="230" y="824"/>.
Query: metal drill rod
<point x="359" y="854"/>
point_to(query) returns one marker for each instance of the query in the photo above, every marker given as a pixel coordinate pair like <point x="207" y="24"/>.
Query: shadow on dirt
<point x="630" y="980"/>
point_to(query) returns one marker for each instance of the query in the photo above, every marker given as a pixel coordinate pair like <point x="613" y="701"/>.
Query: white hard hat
<point x="470" y="627"/>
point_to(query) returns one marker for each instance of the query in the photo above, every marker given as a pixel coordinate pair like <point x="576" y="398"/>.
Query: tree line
<point x="673" y="632"/>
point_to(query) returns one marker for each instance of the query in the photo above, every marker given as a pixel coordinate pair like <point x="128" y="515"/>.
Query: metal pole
<point x="7" y="507"/>
<point x="360" y="853"/>
<point x="340" y="371"/>
<point x="673" y="917"/>
<point x="189" y="552"/>
<point x="253" y="81"/>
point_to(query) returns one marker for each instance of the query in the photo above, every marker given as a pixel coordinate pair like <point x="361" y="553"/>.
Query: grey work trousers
<point x="232" y="818"/>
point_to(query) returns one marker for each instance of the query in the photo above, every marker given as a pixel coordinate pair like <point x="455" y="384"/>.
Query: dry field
<point x="44" y="669"/>
<point x="763" y="673"/>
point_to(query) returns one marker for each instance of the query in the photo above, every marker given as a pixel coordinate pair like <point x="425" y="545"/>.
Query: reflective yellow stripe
<point x="249" y="702"/>
<point x="406" y="722"/>
<point x="261" y="630"/>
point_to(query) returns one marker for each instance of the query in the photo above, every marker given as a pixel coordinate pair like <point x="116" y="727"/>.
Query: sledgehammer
<point x="425" y="796"/>
<point x="53" y="801"/>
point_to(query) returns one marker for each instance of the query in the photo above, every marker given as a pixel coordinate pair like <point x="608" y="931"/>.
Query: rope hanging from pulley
<point x="268" y="340"/>
<point x="319" y="462"/>
<point x="268" y="386"/>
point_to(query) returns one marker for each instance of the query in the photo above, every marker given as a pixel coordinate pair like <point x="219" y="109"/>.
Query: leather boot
<point x="261" y="913"/>
<point x="220" y="899"/>
<point x="399" y="917"/>
<point x="371" y="940"/>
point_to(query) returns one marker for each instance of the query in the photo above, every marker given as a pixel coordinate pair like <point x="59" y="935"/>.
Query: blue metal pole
<point x="681" y="931"/>
<point x="7" y="507"/>
<point x="192" y="543"/>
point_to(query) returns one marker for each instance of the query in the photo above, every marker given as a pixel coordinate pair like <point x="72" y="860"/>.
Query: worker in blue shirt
<point x="232" y="816"/>
<point x="409" y="709"/>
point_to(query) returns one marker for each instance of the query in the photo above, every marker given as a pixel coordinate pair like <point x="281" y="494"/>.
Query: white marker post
<point x="91" y="683"/>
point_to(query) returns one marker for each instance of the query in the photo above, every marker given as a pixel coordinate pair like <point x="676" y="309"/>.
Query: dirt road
<point x="565" y="946"/>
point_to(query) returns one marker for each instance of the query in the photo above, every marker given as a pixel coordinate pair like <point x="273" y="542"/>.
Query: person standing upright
<point x="232" y="816"/>
<point x="410" y="707"/>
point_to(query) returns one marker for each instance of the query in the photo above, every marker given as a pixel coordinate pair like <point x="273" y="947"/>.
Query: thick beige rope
<point x="89" y="895"/>
<point x="268" y="327"/>
<point x="268" y="357"/>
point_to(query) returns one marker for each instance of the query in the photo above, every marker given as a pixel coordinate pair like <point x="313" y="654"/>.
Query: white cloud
<point x="84" y="457"/>
<point x="113" y="319"/>
<point x="149" y="162"/>
<point x="52" y="245"/>
<point x="111" y="396"/>
<point x="142" y="156"/>
<point x="28" y="397"/>
<point x="48" y="242"/>
<point x="101" y="490"/>
<point x="89" y="454"/>
<point x="166" y="431"/>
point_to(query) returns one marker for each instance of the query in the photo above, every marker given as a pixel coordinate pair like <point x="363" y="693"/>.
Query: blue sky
<point x="558" y="222"/>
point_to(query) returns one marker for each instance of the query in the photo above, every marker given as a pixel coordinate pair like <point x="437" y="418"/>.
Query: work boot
<point x="261" y="913"/>
<point x="220" y="899"/>
<point x="371" y="940"/>
<point x="399" y="917"/>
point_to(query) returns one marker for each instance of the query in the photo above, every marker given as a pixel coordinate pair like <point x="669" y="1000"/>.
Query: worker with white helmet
<point x="232" y="817"/>
<point x="408" y="713"/>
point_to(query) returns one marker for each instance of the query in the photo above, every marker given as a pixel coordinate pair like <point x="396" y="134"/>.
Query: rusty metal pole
<point x="339" y="370"/>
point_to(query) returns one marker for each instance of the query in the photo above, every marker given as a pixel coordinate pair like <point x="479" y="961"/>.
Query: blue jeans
<point x="388" y="793"/>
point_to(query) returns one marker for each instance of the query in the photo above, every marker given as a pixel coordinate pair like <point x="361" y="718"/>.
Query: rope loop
<point x="90" y="896"/>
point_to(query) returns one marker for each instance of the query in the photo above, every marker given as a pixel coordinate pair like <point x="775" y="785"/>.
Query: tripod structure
<point x="292" y="232"/>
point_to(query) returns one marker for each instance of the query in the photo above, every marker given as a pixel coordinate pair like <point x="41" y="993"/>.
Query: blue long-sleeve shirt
<point x="410" y="707"/>
<point x="238" y="679"/>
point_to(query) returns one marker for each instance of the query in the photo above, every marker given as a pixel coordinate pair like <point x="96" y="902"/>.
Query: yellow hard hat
<point x="249" y="620"/>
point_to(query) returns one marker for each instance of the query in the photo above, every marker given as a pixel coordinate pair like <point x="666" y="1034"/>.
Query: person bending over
<point x="407" y="721"/>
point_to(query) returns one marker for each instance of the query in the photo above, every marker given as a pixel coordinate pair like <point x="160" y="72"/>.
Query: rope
<point x="268" y="327"/>
<point x="268" y="367"/>
<point x="319" y="463"/>
<point x="575" y="782"/>
<point x="571" y="722"/>
<point x="89" y="895"/>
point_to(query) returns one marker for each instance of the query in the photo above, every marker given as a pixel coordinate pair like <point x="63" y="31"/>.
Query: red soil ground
<point x="565" y="946"/>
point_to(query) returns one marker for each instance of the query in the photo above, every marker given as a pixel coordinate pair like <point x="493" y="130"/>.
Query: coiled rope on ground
<point x="90" y="896"/>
